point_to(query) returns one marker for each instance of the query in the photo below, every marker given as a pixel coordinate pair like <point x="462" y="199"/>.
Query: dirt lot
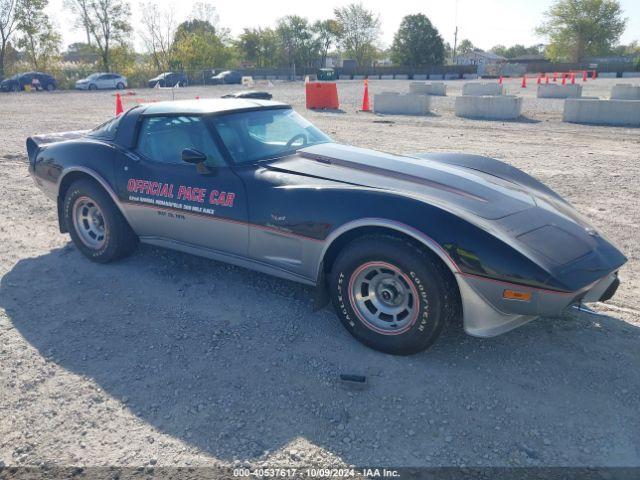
<point x="168" y="359"/>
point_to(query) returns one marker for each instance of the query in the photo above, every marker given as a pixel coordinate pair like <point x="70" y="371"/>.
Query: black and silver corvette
<point x="400" y="244"/>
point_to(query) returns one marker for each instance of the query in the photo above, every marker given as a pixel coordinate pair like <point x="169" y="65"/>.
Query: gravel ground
<point x="168" y="359"/>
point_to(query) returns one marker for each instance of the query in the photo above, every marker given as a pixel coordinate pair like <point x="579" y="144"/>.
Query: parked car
<point x="102" y="81"/>
<point x="37" y="80"/>
<point x="401" y="244"/>
<point x="258" y="95"/>
<point x="226" y="77"/>
<point x="169" y="79"/>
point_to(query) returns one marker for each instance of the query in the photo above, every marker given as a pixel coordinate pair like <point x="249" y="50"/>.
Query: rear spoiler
<point x="37" y="142"/>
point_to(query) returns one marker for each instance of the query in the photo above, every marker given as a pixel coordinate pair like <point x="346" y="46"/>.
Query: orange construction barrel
<point x="322" y="95"/>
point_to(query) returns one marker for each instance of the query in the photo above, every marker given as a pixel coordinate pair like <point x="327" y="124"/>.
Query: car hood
<point x="495" y="197"/>
<point x="453" y="187"/>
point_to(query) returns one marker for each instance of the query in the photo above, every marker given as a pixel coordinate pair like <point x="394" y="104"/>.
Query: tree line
<point x="574" y="29"/>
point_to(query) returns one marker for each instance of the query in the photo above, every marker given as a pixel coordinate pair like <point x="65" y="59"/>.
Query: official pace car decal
<point x="162" y="194"/>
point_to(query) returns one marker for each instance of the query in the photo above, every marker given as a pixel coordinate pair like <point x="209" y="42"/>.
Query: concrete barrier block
<point x="344" y="77"/>
<point x="393" y="103"/>
<point x="499" y="107"/>
<point x="358" y="77"/>
<point x="452" y="76"/>
<point x="552" y="90"/>
<point x="630" y="74"/>
<point x="386" y="77"/>
<point x="625" y="92"/>
<point x="272" y="77"/>
<point x="436" y="76"/>
<point x="482" y="89"/>
<point x="608" y="75"/>
<point x="402" y="76"/>
<point x="420" y="76"/>
<point x="422" y="88"/>
<point x="470" y="76"/>
<point x="602" y="112"/>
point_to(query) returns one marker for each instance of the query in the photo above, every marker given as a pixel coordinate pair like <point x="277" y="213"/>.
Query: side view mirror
<point x="195" y="157"/>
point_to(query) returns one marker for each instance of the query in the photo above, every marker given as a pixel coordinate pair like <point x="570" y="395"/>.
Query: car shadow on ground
<point x="237" y="363"/>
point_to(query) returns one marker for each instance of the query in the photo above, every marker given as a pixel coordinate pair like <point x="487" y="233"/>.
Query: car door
<point x="104" y="81"/>
<point x="166" y="198"/>
<point x="24" y="80"/>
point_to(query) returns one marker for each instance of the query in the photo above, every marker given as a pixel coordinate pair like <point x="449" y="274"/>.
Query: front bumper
<point x="82" y="86"/>
<point x="486" y="313"/>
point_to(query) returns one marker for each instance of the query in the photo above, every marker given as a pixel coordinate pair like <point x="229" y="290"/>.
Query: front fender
<point x="490" y="166"/>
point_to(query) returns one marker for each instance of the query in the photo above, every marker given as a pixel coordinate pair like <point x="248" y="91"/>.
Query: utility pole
<point x="455" y="37"/>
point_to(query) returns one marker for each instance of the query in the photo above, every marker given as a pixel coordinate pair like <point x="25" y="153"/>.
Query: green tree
<point x="107" y="22"/>
<point x="197" y="46"/>
<point x="259" y="46"/>
<point x="448" y="52"/>
<point x="38" y="39"/>
<point x="417" y="42"/>
<point x="465" y="46"/>
<point x="7" y="27"/>
<point x="194" y="27"/>
<point x="299" y="45"/>
<point x="81" y="10"/>
<point x="157" y="33"/>
<point x="581" y="28"/>
<point x="360" y="32"/>
<point x="517" y="50"/>
<point x="631" y="50"/>
<point x="328" y="33"/>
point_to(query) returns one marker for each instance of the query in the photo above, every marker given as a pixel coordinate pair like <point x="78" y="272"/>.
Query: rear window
<point x="106" y="131"/>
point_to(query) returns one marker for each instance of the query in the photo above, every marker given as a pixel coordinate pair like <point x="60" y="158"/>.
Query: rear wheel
<point x="93" y="87"/>
<point x="95" y="224"/>
<point x="51" y="87"/>
<point x="391" y="295"/>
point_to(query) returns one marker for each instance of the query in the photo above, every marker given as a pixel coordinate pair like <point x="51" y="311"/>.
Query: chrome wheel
<point x="88" y="221"/>
<point x="384" y="298"/>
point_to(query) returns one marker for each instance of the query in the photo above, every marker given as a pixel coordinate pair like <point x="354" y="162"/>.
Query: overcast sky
<point x="484" y="22"/>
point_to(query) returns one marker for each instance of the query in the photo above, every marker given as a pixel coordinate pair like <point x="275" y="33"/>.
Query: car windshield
<point x="266" y="134"/>
<point x="93" y="76"/>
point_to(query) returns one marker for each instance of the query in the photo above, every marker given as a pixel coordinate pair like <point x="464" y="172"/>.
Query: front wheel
<point x="95" y="224"/>
<point x="391" y="295"/>
<point x="120" y="86"/>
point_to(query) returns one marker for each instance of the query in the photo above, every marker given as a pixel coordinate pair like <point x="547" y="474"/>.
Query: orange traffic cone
<point x="564" y="79"/>
<point x="573" y="78"/>
<point x="593" y="75"/>
<point x="555" y="76"/>
<point x="546" y="79"/>
<point x="500" y="80"/>
<point x="365" y="99"/>
<point x="119" y="108"/>
<point x="539" y="81"/>
<point x="524" y="81"/>
<point x="584" y="75"/>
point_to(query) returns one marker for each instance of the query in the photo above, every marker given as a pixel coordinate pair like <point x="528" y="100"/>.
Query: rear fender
<point x="71" y="174"/>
